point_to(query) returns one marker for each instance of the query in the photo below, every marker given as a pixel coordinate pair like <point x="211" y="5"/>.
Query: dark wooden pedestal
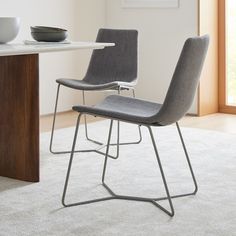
<point x="19" y="117"/>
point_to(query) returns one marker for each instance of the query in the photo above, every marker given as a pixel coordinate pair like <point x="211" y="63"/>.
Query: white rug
<point x="35" y="209"/>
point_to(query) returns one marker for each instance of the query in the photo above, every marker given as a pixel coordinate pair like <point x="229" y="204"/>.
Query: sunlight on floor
<point x="218" y="122"/>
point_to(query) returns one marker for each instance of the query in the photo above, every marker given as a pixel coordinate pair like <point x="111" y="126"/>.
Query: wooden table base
<point x="19" y="117"/>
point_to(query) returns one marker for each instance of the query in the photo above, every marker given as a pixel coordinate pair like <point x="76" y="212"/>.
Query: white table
<point x="19" y="104"/>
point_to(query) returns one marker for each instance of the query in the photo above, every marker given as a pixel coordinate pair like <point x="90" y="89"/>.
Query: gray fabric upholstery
<point x="185" y="81"/>
<point x="123" y="108"/>
<point x="83" y="85"/>
<point x="179" y="97"/>
<point x="112" y="66"/>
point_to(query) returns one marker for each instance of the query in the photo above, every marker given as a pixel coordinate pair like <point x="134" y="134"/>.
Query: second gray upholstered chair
<point x="113" y="68"/>
<point x="178" y="100"/>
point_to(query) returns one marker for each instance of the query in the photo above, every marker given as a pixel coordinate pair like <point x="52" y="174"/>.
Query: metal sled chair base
<point x="100" y="144"/>
<point x="131" y="198"/>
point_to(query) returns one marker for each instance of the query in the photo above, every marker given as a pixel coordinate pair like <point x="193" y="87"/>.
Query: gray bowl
<point x="48" y="34"/>
<point x="46" y="29"/>
<point x="9" y="28"/>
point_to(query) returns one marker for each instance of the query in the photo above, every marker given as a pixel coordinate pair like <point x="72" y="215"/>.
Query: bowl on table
<point x="48" y="34"/>
<point x="9" y="28"/>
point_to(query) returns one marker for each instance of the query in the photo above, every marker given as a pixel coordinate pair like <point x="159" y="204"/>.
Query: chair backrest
<point x="118" y="63"/>
<point x="184" y="82"/>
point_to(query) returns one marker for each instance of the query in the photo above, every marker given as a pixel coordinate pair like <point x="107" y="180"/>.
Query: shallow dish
<point x="46" y="29"/>
<point x="49" y="36"/>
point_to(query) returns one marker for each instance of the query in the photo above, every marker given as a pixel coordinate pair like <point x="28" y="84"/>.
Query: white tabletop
<point x="22" y="49"/>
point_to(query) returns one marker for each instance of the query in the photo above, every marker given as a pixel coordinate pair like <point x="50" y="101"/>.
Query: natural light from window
<point x="231" y="52"/>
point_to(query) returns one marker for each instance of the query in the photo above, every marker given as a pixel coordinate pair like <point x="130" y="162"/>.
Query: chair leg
<point x="70" y="165"/>
<point x="85" y="125"/>
<point x="188" y="160"/>
<point x="190" y="168"/>
<point x="71" y="160"/>
<point x="143" y="199"/>
<point x="113" y="195"/>
<point x="54" y="121"/>
<point x="131" y="198"/>
<point x="162" y="175"/>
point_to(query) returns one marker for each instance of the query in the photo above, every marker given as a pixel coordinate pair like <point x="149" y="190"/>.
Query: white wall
<point x="91" y="15"/>
<point x="161" y="36"/>
<point x="81" y="17"/>
<point x="47" y="12"/>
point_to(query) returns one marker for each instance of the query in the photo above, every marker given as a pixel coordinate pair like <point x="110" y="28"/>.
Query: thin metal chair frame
<point x="154" y="201"/>
<point x="101" y="145"/>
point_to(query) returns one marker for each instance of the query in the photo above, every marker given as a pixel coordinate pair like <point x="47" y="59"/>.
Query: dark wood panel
<point x="19" y="117"/>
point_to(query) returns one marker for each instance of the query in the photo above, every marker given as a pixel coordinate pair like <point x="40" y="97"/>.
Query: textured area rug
<point x="35" y="208"/>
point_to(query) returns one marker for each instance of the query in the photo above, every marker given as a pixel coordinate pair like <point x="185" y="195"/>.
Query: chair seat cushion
<point x="123" y="108"/>
<point x="83" y="85"/>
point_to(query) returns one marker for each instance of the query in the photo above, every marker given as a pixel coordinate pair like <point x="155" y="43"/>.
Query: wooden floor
<point x="218" y="122"/>
<point x="63" y="120"/>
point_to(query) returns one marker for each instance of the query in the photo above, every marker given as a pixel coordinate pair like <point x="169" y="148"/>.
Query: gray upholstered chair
<point x="113" y="68"/>
<point x="178" y="100"/>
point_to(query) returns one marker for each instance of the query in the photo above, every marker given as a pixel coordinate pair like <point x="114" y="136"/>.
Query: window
<point x="227" y="56"/>
<point x="231" y="52"/>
